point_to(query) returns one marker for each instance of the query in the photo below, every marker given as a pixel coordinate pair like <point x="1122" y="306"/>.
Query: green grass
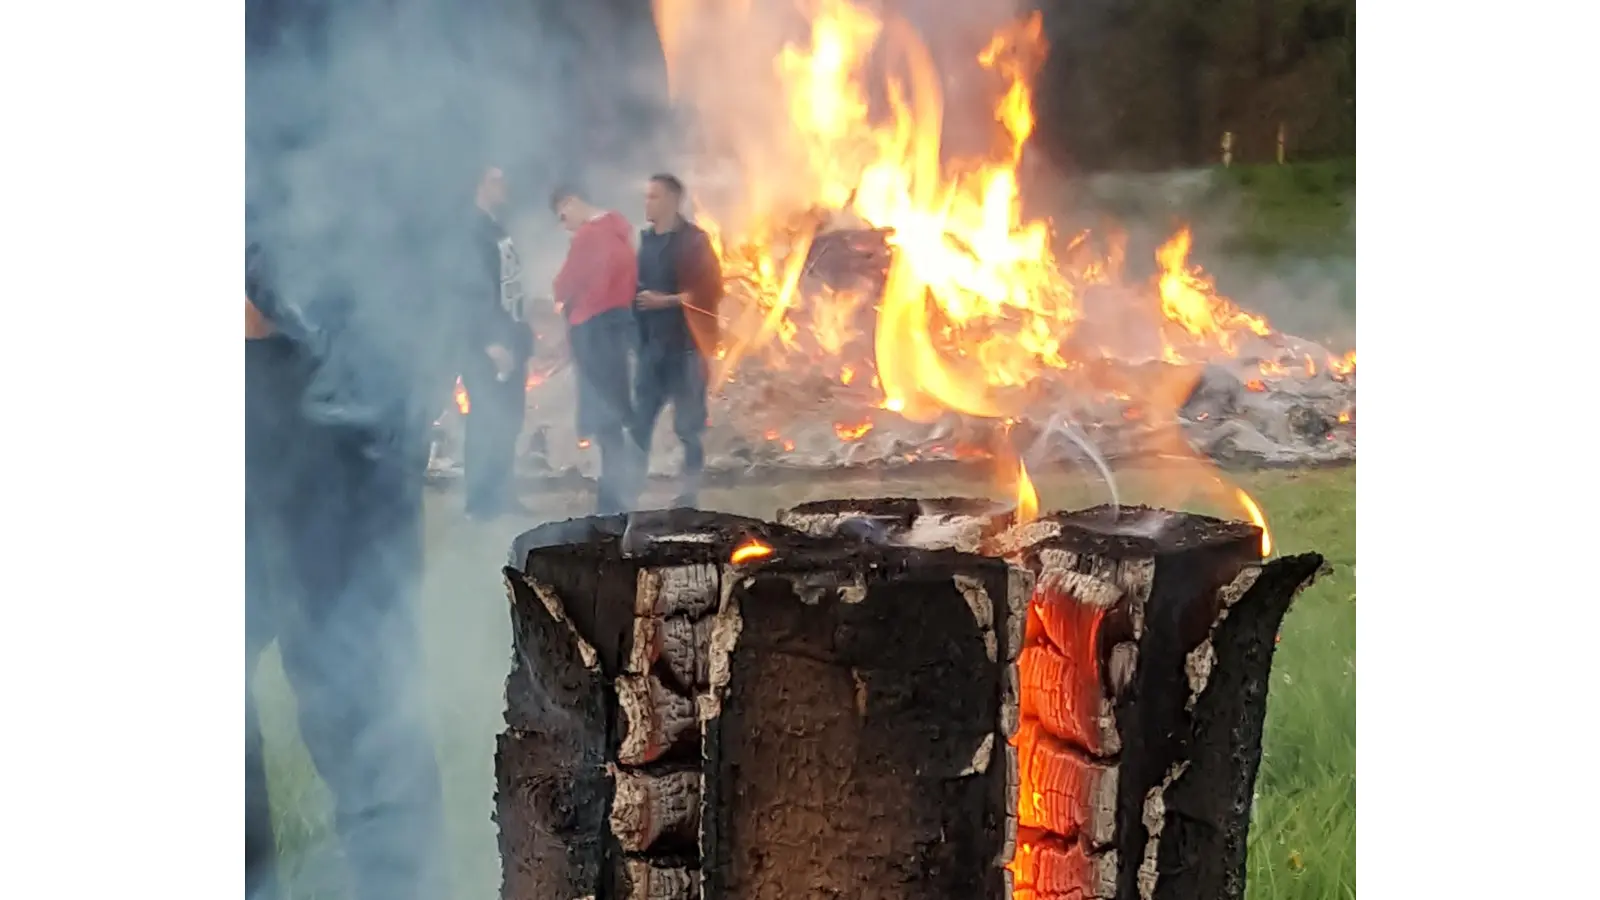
<point x="1302" y="209"/>
<point x="1302" y="842"/>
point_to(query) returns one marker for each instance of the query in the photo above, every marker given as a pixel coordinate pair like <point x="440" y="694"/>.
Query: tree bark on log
<point x="703" y="705"/>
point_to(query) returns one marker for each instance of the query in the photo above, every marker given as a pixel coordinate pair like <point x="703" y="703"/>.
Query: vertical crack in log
<point x="1013" y="792"/>
<point x="1154" y="816"/>
<point x="983" y="612"/>
<point x="726" y="626"/>
<point x="1198" y="662"/>
<point x="552" y="604"/>
<point x="980" y="757"/>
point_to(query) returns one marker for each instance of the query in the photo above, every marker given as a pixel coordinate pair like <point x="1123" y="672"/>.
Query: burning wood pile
<point x="886" y="698"/>
<point x="888" y="302"/>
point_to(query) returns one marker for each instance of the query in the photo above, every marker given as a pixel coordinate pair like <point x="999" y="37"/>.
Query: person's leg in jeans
<point x="511" y="407"/>
<point x="689" y="424"/>
<point x="480" y="439"/>
<point x="494" y="422"/>
<point x="605" y="405"/>
<point x="352" y="654"/>
<point x="652" y="389"/>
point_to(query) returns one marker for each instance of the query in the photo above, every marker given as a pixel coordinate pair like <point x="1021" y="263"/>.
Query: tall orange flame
<point x="1027" y="497"/>
<point x="980" y="303"/>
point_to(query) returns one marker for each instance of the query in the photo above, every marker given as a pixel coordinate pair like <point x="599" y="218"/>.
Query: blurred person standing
<point x="680" y="287"/>
<point x="594" y="293"/>
<point x="333" y="549"/>
<point x="355" y="192"/>
<point x="494" y="369"/>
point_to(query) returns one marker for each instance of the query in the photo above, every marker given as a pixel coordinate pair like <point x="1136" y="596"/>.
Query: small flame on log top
<point x="1027" y="497"/>
<point x="751" y="549"/>
<point x="1259" y="520"/>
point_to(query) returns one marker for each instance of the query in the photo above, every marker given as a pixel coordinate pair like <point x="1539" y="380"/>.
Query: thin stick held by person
<point x="680" y="288"/>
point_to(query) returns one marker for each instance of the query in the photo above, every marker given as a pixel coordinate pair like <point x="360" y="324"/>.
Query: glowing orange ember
<point x="463" y="402"/>
<point x="1343" y="365"/>
<point x="1027" y="497"/>
<point x="751" y="549"/>
<point x="583" y="444"/>
<point x="851" y="432"/>
<point x="1257" y="519"/>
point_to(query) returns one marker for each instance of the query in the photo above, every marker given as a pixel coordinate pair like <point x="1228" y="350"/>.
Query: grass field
<point x="1303" y="838"/>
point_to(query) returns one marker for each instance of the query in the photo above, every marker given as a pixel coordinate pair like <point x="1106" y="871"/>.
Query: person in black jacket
<point x="333" y="549"/>
<point x="680" y="287"/>
<point x="494" y="369"/>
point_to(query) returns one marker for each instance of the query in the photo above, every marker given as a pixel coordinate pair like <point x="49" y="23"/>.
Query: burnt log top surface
<point x="681" y="536"/>
<point x="688" y="536"/>
<point x="903" y="509"/>
<point x="1136" y="531"/>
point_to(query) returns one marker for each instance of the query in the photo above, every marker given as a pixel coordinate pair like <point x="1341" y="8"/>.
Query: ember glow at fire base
<point x="889" y="302"/>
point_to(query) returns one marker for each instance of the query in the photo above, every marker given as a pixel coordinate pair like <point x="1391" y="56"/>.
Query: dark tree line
<point x="1153" y="84"/>
<point x="1128" y="84"/>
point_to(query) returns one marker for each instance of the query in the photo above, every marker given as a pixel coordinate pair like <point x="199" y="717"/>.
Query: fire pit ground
<point x="886" y="699"/>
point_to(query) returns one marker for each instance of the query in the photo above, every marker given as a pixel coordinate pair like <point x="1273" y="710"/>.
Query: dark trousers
<point x="494" y="421"/>
<point x="680" y="376"/>
<point x="332" y="556"/>
<point x="600" y="348"/>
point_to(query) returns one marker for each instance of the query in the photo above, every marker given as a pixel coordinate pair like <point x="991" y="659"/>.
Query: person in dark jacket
<point x="494" y="370"/>
<point x="333" y="546"/>
<point x="680" y="287"/>
<point x="594" y="293"/>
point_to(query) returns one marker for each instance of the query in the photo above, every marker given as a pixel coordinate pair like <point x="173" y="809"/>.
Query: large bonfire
<point x="897" y="296"/>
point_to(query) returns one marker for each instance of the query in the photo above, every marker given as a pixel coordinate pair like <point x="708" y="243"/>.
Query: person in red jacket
<point x="594" y="292"/>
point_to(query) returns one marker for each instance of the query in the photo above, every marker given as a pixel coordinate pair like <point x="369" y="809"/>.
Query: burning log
<point x="1158" y="630"/>
<point x="703" y="705"/>
<point x="886" y="698"/>
<point x="1146" y="646"/>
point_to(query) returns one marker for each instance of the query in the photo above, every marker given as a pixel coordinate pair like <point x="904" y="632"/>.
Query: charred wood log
<point x="1162" y="627"/>
<point x="887" y="698"/>
<point x="765" y="708"/>
<point x="1135" y="755"/>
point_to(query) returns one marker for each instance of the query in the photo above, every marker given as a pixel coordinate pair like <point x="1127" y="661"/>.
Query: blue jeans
<point x="678" y="375"/>
<point x="600" y="348"/>
<point x="493" y="422"/>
